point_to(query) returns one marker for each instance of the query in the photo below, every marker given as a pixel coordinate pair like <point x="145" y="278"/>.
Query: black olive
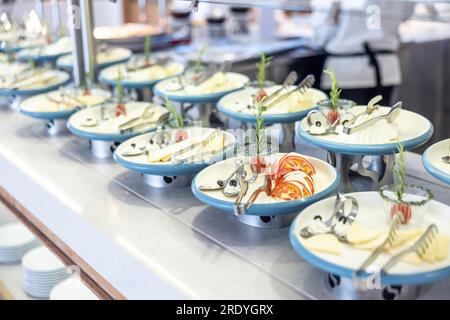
<point x="318" y="124"/>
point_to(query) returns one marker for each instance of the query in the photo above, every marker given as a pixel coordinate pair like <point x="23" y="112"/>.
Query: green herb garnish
<point x="335" y="92"/>
<point x="400" y="172"/>
<point x="198" y="61"/>
<point x="175" y="115"/>
<point x="260" y="126"/>
<point x="147" y="48"/>
<point x="87" y="83"/>
<point x="119" y="86"/>
<point x="262" y="65"/>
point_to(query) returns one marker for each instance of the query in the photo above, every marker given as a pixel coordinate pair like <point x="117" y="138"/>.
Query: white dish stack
<point x="72" y="289"/>
<point x="43" y="271"/>
<point x="15" y="241"/>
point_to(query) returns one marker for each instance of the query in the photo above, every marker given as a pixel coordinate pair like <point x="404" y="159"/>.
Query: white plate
<point x="109" y="130"/>
<point x="42" y="260"/>
<point x="238" y="100"/>
<point x="412" y="129"/>
<point x="371" y="214"/>
<point x="15" y="235"/>
<point x="72" y="289"/>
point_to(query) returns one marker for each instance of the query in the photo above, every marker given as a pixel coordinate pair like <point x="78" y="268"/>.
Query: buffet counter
<point x="134" y="242"/>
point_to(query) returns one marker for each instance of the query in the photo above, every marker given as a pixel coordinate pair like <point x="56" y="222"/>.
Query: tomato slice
<point x="294" y="162"/>
<point x="120" y="109"/>
<point x="287" y="191"/>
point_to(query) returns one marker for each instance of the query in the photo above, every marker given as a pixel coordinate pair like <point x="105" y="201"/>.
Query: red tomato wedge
<point x="302" y="178"/>
<point x="287" y="191"/>
<point x="293" y="162"/>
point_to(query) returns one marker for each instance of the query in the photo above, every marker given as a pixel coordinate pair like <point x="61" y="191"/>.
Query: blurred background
<point x="397" y="48"/>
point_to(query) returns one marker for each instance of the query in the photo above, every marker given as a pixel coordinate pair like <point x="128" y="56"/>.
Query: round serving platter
<point x="109" y="75"/>
<point x="232" y="103"/>
<point x="61" y="78"/>
<point x="371" y="214"/>
<point x="163" y="89"/>
<point x="115" y="56"/>
<point x="414" y="130"/>
<point x="48" y="53"/>
<point x="326" y="183"/>
<point x="105" y="136"/>
<point x="140" y="163"/>
<point x="45" y="106"/>
<point x="432" y="161"/>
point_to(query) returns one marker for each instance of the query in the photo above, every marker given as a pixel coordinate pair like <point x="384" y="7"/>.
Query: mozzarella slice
<point x="358" y="234"/>
<point x="326" y="243"/>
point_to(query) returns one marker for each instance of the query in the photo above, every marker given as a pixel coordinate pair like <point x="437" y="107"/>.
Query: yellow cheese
<point x="402" y="237"/>
<point x="406" y="235"/>
<point x="358" y="234"/>
<point x="326" y="243"/>
<point x="442" y="247"/>
<point x="412" y="258"/>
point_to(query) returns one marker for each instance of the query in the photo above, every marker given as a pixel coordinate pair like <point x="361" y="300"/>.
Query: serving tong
<point x="176" y="157"/>
<point x="302" y="87"/>
<point x="421" y="246"/>
<point x="389" y="241"/>
<point x="289" y="81"/>
<point x="390" y="116"/>
<point x="160" y="138"/>
<point x="242" y="208"/>
<point x="339" y="221"/>
<point x="371" y="107"/>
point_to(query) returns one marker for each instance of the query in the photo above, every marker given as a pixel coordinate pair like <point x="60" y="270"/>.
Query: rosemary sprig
<point x="260" y="126"/>
<point x="87" y="83"/>
<point x="198" y="61"/>
<point x="147" y="48"/>
<point x="262" y="65"/>
<point x="178" y="118"/>
<point x="400" y="172"/>
<point x="335" y="92"/>
<point x="119" y="86"/>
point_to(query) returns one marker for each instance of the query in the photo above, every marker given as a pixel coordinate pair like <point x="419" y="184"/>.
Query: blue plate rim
<point x="116" y="137"/>
<point x="33" y="92"/>
<point x="433" y="170"/>
<point x="58" y="115"/>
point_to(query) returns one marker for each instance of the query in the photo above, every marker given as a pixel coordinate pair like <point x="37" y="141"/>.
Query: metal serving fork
<point x="393" y="232"/>
<point x="307" y="83"/>
<point x="420" y="247"/>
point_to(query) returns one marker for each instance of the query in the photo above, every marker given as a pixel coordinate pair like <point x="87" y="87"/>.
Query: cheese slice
<point x="325" y="243"/>
<point x="402" y="237"/>
<point x="442" y="247"/>
<point x="166" y="153"/>
<point x="358" y="234"/>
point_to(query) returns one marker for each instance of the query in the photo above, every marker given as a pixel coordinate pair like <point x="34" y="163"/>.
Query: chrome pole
<point x="56" y="17"/>
<point x="74" y="26"/>
<point x="89" y="45"/>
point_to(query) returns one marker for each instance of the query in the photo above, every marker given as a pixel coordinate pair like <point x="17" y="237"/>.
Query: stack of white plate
<point x="43" y="270"/>
<point x="72" y="289"/>
<point x="15" y="241"/>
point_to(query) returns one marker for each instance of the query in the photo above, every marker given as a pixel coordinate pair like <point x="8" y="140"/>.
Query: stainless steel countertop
<point x="151" y="243"/>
